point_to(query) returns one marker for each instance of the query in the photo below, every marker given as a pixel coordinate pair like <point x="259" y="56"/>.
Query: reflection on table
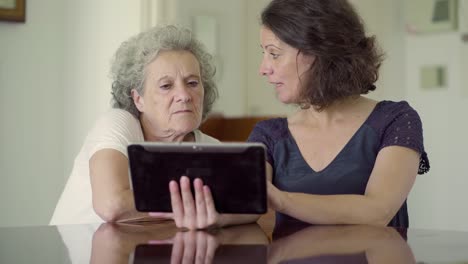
<point x="164" y="243"/>
<point x="340" y="244"/>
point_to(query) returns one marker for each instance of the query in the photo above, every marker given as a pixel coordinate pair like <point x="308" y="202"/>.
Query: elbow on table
<point x="108" y="211"/>
<point x="382" y="216"/>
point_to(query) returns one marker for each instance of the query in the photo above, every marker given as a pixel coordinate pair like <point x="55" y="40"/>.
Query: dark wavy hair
<point x="346" y="62"/>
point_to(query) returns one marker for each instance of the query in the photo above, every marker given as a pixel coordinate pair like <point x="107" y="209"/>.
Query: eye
<point x="274" y="55"/>
<point x="192" y="84"/>
<point x="166" y="86"/>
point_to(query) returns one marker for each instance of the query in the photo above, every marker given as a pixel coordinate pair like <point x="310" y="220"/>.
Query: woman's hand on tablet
<point x="190" y="213"/>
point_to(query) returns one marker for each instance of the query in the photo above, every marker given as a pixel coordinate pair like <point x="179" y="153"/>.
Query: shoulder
<point x="387" y="113"/>
<point x="269" y="132"/>
<point x="395" y="109"/>
<point x="398" y="124"/>
<point x="115" y="129"/>
<point x="118" y="116"/>
<point x="204" y="138"/>
<point x="275" y="128"/>
<point x="118" y="120"/>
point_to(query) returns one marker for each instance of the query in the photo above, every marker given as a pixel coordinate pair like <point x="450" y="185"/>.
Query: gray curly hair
<point x="132" y="57"/>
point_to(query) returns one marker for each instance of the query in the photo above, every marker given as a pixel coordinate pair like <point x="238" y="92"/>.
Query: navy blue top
<point x="389" y="124"/>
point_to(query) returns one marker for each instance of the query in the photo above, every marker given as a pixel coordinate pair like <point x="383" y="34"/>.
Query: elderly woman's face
<point x="172" y="101"/>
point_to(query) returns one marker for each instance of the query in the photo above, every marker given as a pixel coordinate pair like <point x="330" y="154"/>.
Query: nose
<point x="265" y="68"/>
<point x="183" y="94"/>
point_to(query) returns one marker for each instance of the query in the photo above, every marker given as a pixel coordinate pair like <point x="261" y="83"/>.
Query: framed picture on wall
<point x="431" y="16"/>
<point x="13" y="10"/>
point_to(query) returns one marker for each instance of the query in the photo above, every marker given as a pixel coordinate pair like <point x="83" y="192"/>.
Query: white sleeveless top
<point x="114" y="130"/>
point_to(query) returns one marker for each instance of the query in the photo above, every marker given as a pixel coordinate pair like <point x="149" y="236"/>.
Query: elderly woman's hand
<point x="187" y="212"/>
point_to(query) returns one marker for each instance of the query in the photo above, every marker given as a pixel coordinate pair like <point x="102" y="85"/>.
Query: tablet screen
<point x="235" y="173"/>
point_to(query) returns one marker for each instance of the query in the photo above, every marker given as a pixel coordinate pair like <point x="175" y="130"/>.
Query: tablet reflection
<point x="341" y="244"/>
<point x="163" y="244"/>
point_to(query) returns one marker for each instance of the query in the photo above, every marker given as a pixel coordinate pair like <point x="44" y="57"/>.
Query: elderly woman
<point x="162" y="89"/>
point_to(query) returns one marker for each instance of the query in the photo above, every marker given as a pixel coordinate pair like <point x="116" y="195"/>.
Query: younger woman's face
<point x="284" y="66"/>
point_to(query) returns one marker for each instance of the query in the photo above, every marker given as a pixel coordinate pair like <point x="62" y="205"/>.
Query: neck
<point x="170" y="136"/>
<point x="335" y="112"/>
<point x="164" y="135"/>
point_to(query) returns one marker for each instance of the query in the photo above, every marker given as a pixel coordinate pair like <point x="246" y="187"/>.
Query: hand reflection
<point x="114" y="243"/>
<point x="204" y="246"/>
<point x="192" y="247"/>
<point x="342" y="244"/>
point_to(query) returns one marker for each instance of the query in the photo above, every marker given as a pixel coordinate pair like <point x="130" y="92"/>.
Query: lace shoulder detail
<point x="398" y="124"/>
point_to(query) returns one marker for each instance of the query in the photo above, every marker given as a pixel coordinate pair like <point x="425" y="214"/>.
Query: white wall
<point x="439" y="198"/>
<point x="31" y="113"/>
<point x="53" y="83"/>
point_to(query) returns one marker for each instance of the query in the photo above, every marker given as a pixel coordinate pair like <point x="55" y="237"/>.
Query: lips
<point x="277" y="85"/>
<point x="183" y="111"/>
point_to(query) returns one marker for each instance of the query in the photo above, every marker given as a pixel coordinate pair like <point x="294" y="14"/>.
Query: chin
<point x="285" y="99"/>
<point x="188" y="127"/>
<point x="288" y="97"/>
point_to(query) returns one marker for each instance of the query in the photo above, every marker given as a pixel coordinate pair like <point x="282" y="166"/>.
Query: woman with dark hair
<point x="341" y="158"/>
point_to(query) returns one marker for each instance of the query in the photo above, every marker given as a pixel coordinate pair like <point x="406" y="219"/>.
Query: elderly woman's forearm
<point x="118" y="207"/>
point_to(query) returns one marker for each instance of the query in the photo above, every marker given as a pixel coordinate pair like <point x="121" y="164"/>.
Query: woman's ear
<point x="308" y="60"/>
<point x="138" y="100"/>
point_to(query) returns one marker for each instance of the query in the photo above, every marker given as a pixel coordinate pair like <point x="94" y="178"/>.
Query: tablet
<point x="235" y="173"/>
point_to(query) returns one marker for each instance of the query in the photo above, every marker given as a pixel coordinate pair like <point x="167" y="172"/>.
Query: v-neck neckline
<point x="293" y="140"/>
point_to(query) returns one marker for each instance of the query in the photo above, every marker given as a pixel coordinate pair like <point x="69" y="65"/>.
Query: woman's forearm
<point x="235" y="219"/>
<point x="335" y="209"/>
